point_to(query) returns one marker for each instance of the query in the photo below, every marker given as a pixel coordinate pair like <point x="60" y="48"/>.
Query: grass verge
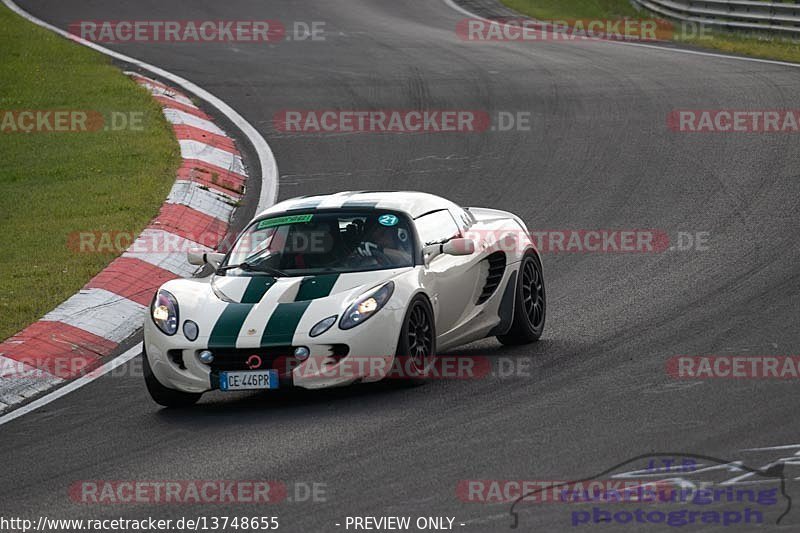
<point x="56" y="184"/>
<point x="749" y="44"/>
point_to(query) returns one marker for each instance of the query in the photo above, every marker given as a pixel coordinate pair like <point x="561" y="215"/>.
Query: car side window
<point x="438" y="226"/>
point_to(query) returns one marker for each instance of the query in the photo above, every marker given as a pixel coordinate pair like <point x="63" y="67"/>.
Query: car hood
<point x="260" y="310"/>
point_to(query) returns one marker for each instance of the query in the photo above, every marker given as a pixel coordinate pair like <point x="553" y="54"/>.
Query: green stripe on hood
<point x="284" y="319"/>
<point x="316" y="287"/>
<point x="256" y="289"/>
<point x="283" y="323"/>
<point x="228" y="326"/>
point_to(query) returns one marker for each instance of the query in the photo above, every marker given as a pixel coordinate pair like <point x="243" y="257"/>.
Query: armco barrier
<point x="774" y="17"/>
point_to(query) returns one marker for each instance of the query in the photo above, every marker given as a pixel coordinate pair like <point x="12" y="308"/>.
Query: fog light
<point x="302" y="353"/>
<point x="206" y="357"/>
<point x="191" y="330"/>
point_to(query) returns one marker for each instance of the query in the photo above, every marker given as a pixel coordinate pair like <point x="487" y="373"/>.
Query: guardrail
<point x="774" y="17"/>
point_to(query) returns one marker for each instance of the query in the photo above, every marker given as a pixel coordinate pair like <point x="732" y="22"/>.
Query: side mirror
<point x="459" y="247"/>
<point x="196" y="257"/>
<point x="199" y="258"/>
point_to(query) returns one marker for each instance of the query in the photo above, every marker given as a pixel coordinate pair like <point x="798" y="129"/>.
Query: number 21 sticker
<point x="387" y="220"/>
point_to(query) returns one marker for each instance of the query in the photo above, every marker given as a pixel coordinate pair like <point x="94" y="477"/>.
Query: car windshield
<point x="316" y="243"/>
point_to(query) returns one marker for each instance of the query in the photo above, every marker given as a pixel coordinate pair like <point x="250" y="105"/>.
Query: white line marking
<point x="74" y="385"/>
<point x="773" y="448"/>
<point x="463" y="11"/>
<point x="269" y="167"/>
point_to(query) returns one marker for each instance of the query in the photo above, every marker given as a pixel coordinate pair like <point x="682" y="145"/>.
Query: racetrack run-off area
<point x="83" y="149"/>
<point x="74" y="338"/>
<point x="580" y="142"/>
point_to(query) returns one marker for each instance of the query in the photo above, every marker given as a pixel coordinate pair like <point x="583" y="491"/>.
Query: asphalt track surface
<point x="598" y="156"/>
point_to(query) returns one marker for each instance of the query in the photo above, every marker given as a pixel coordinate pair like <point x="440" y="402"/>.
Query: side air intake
<point x="497" y="267"/>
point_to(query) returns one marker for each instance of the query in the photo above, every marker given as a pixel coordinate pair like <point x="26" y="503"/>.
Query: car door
<point x="452" y="280"/>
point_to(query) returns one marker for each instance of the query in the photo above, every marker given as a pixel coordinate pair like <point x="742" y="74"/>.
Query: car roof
<point x="412" y="203"/>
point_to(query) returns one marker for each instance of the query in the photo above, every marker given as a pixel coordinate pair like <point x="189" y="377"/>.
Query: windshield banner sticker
<point x="282" y="221"/>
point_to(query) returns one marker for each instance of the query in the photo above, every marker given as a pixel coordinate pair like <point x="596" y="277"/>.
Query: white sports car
<point x="326" y="291"/>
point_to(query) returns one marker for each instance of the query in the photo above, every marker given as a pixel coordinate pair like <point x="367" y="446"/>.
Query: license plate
<point x="257" y="380"/>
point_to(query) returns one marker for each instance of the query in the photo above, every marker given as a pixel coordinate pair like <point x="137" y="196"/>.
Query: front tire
<point x="530" y="304"/>
<point x="163" y="395"/>
<point x="416" y="347"/>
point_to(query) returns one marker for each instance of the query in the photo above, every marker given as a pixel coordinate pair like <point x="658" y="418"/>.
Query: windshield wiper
<point x="247" y="267"/>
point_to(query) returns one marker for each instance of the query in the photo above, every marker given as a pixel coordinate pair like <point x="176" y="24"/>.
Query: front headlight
<point x="164" y="311"/>
<point x="366" y="306"/>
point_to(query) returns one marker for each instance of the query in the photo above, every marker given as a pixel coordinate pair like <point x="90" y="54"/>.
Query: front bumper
<point x="337" y="357"/>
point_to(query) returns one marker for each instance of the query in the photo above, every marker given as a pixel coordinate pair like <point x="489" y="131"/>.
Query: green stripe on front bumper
<point x="316" y="287"/>
<point x="283" y="323"/>
<point x="229" y="324"/>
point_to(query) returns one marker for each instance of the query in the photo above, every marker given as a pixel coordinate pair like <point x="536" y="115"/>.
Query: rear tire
<point x="163" y="395"/>
<point x="530" y="304"/>
<point x="416" y="347"/>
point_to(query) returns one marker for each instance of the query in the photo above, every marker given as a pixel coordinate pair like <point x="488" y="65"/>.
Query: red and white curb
<point x="92" y="324"/>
